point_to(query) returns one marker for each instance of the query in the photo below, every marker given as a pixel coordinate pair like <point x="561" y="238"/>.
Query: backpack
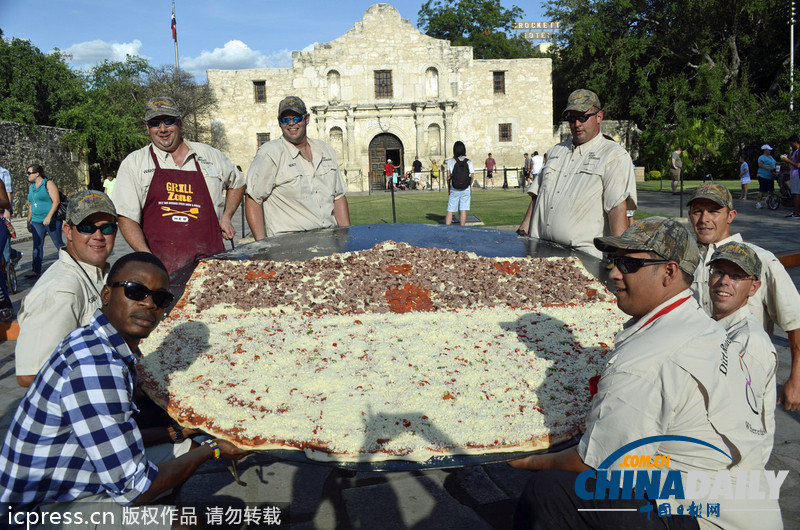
<point x="459" y="176"/>
<point x="61" y="212"/>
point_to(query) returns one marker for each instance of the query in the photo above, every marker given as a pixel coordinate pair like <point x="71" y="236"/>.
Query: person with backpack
<point x="43" y="201"/>
<point x="460" y="174"/>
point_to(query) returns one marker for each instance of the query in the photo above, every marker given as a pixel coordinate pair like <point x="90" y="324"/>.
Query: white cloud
<point x="96" y="51"/>
<point x="235" y="55"/>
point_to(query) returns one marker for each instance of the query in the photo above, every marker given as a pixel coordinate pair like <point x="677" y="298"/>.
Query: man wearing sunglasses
<point x="294" y="183"/>
<point x="175" y="198"/>
<point x="734" y="274"/>
<point x="776" y="302"/>
<point x="663" y="378"/>
<point x="74" y="444"/>
<point x="68" y="293"/>
<point x="586" y="186"/>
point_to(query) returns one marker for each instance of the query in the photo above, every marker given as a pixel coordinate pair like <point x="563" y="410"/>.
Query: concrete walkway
<point x="319" y="496"/>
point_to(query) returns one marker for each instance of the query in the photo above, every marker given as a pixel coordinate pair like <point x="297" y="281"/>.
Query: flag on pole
<point x="174" y="29"/>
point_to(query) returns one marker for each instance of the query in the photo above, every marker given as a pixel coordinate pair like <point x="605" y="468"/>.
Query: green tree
<point x="107" y="122"/>
<point x="34" y="86"/>
<point x="667" y="65"/>
<point x="483" y="24"/>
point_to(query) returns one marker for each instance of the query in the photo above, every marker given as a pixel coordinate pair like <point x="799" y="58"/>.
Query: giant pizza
<point x="395" y="352"/>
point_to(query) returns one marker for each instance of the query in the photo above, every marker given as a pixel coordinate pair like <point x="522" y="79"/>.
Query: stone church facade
<point x="386" y="90"/>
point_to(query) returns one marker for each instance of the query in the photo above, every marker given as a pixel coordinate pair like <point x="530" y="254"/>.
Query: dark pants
<point x="550" y="502"/>
<point x="39" y="230"/>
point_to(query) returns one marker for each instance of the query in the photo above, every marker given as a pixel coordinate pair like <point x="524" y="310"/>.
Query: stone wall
<point x="23" y="145"/>
<point x="440" y="94"/>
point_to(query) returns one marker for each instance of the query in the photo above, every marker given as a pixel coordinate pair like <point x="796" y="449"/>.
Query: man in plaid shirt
<point x="74" y="437"/>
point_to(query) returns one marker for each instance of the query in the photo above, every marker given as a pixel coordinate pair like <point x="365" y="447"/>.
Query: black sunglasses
<point x="582" y="118"/>
<point x="138" y="292"/>
<point x="628" y="265"/>
<point x="88" y="228"/>
<point x="168" y="121"/>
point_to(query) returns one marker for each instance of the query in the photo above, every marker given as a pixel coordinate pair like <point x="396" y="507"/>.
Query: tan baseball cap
<point x="292" y="103"/>
<point x="87" y="202"/>
<point x="713" y="192"/>
<point x="740" y="254"/>
<point x="666" y="237"/>
<point x="161" y="106"/>
<point x="582" y="100"/>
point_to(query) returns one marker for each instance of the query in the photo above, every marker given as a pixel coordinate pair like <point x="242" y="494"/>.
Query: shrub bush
<point x="653" y="175"/>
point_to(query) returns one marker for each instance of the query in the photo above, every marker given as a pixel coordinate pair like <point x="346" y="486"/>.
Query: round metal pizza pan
<point x="437" y="462"/>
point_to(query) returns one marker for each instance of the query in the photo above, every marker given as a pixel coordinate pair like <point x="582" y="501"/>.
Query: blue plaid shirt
<point x="73" y="434"/>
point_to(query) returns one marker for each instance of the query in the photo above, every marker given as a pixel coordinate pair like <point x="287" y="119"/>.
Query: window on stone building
<point x="505" y="132"/>
<point x="383" y="83"/>
<point x="499" y="81"/>
<point x="262" y="138"/>
<point x="432" y="83"/>
<point x="260" y="91"/>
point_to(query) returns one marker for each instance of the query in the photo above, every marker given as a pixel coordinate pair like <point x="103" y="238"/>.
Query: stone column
<point x="448" y="131"/>
<point x="419" y="126"/>
<point x="350" y="147"/>
<point x="321" y="128"/>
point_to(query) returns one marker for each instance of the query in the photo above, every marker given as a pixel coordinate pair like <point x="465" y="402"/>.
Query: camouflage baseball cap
<point x="161" y="106"/>
<point x="292" y="103"/>
<point x="666" y="237"/>
<point x="582" y="100"/>
<point x="88" y="202"/>
<point x="713" y="192"/>
<point x="740" y="254"/>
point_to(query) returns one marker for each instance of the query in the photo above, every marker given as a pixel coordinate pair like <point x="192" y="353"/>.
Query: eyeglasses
<point x="138" y="292"/>
<point x="582" y="118"/>
<point x="31" y="172"/>
<point x="628" y="265"/>
<point x="286" y="120"/>
<point x="168" y="121"/>
<point x="89" y="229"/>
<point x="717" y="274"/>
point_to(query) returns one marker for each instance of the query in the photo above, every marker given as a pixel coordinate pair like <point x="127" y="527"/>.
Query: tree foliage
<point x="108" y="122"/>
<point x="706" y="74"/>
<point x="483" y="24"/>
<point x="34" y="86"/>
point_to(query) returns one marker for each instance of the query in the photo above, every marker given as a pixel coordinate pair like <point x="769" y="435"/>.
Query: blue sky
<point x="211" y="33"/>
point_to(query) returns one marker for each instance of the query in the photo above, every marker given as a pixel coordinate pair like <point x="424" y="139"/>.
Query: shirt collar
<point x="632" y="326"/>
<point x="587" y="145"/>
<point x="734" y="318"/>
<point x="103" y="328"/>
<point x="162" y="155"/>
<point x="94" y="272"/>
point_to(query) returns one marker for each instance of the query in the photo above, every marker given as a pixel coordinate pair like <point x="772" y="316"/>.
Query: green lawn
<point x="493" y="207"/>
<point x="666" y="185"/>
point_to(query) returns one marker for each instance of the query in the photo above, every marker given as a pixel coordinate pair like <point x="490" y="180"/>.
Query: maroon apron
<point x="179" y="219"/>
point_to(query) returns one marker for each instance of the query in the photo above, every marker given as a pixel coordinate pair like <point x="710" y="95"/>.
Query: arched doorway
<point x="382" y="147"/>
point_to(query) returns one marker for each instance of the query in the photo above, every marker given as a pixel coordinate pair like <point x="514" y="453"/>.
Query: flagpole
<point x="175" y="39"/>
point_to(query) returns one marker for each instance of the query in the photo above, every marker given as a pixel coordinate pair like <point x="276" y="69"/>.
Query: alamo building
<point x="386" y="90"/>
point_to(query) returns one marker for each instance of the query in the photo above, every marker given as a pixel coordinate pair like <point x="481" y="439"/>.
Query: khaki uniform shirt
<point x="136" y="173"/>
<point x="63" y="299"/>
<point x="576" y="188"/>
<point x="776" y="301"/>
<point x="664" y="378"/>
<point x="760" y="362"/>
<point x="296" y="195"/>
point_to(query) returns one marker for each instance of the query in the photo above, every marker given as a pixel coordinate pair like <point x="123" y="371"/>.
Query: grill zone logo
<point x="660" y="482"/>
